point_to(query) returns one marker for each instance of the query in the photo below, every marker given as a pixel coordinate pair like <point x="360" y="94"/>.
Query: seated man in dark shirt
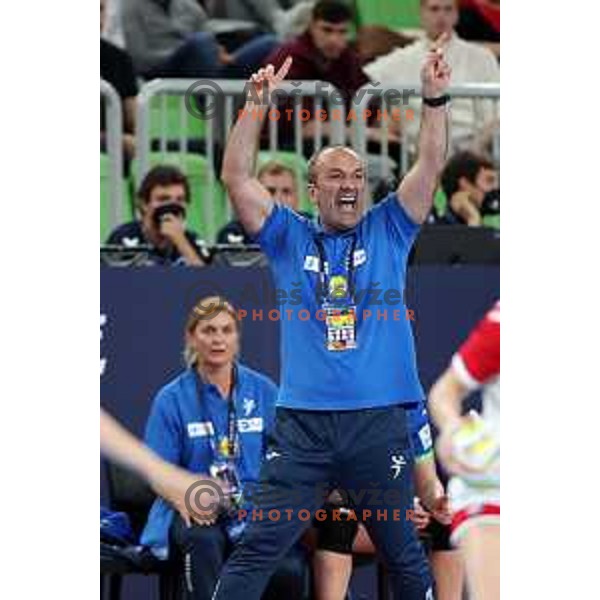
<point x="280" y="181"/>
<point x="163" y="198"/>
<point x="323" y="53"/>
<point x="116" y="67"/>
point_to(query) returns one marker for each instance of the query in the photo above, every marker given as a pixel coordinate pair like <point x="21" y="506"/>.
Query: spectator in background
<point x="479" y="21"/>
<point x="214" y="419"/>
<point x="323" y="52"/>
<point x="473" y="122"/>
<point x="373" y="41"/>
<point x="116" y="68"/>
<point x="280" y="181"/>
<point x="163" y="198"/>
<point x="112" y="29"/>
<point x="169" y="38"/>
<point x="281" y="17"/>
<point x="471" y="185"/>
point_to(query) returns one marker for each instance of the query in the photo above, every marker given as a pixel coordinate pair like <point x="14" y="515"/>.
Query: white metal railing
<point x="221" y="111"/>
<point x="114" y="150"/>
<point x="220" y="101"/>
<point x="384" y="93"/>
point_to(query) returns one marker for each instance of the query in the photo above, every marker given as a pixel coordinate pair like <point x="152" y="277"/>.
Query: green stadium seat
<point x="492" y="221"/>
<point x="393" y="14"/>
<point x="166" y="116"/>
<point x="300" y="167"/>
<point x="440" y="201"/>
<point x="198" y="171"/>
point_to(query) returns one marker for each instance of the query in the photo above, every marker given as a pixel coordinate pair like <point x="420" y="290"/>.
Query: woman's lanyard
<point x="336" y="287"/>
<point x="228" y="448"/>
<point x="232" y="433"/>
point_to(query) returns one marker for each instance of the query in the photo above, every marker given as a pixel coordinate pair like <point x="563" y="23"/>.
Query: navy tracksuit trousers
<point x="368" y="454"/>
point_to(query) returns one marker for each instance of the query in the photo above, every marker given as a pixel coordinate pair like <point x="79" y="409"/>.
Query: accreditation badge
<point x="340" y="322"/>
<point x="227" y="473"/>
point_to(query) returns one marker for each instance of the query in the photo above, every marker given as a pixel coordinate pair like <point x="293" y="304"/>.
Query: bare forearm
<point x="418" y="187"/>
<point x="118" y="445"/>
<point x="427" y="483"/>
<point x="242" y="146"/>
<point x="445" y="401"/>
<point x="433" y="140"/>
<point x="251" y="201"/>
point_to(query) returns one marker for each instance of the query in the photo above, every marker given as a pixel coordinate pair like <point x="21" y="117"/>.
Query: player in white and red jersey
<point x="469" y="448"/>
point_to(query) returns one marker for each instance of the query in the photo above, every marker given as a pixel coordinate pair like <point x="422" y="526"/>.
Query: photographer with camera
<point x="212" y="420"/>
<point x="163" y="199"/>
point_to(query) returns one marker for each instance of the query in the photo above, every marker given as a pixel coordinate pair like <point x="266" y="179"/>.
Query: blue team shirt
<point x="382" y="370"/>
<point x="178" y="429"/>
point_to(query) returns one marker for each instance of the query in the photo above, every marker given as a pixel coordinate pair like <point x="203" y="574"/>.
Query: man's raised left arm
<point x="417" y="188"/>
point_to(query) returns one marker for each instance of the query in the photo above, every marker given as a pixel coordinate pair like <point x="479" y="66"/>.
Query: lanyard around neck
<point x="324" y="274"/>
<point x="232" y="432"/>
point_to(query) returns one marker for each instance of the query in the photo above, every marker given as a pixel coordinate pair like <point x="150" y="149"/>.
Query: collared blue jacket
<point x="179" y="430"/>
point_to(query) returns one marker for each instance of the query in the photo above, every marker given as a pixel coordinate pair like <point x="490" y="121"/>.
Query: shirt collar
<point x="320" y="230"/>
<point x="201" y="384"/>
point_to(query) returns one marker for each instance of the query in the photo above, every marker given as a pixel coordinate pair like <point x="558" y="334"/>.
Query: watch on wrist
<point x="435" y="102"/>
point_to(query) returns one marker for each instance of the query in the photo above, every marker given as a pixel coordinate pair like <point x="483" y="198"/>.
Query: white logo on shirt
<point x="398" y="461"/>
<point x="271" y="455"/>
<point x="249" y="406"/>
<point x="425" y="436"/>
<point x="202" y="429"/>
<point x="130" y="242"/>
<point x="311" y="263"/>
<point x="233" y="238"/>
<point x="254" y="425"/>
<point x="360" y="257"/>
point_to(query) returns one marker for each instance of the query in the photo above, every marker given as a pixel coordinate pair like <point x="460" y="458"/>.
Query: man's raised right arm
<point x="251" y="201"/>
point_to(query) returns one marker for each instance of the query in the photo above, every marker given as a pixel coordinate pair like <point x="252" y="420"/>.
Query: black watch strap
<point x="435" y="102"/>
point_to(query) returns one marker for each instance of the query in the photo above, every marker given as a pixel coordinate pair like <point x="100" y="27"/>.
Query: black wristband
<point x="435" y="102"/>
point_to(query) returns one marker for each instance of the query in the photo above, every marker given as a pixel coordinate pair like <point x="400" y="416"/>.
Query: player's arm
<point x="430" y="491"/>
<point x="167" y="480"/>
<point x="445" y="400"/>
<point x="445" y="406"/>
<point x="118" y="445"/>
<point x="251" y="201"/>
<point x="476" y="362"/>
<point x="428" y="487"/>
<point x="417" y="188"/>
